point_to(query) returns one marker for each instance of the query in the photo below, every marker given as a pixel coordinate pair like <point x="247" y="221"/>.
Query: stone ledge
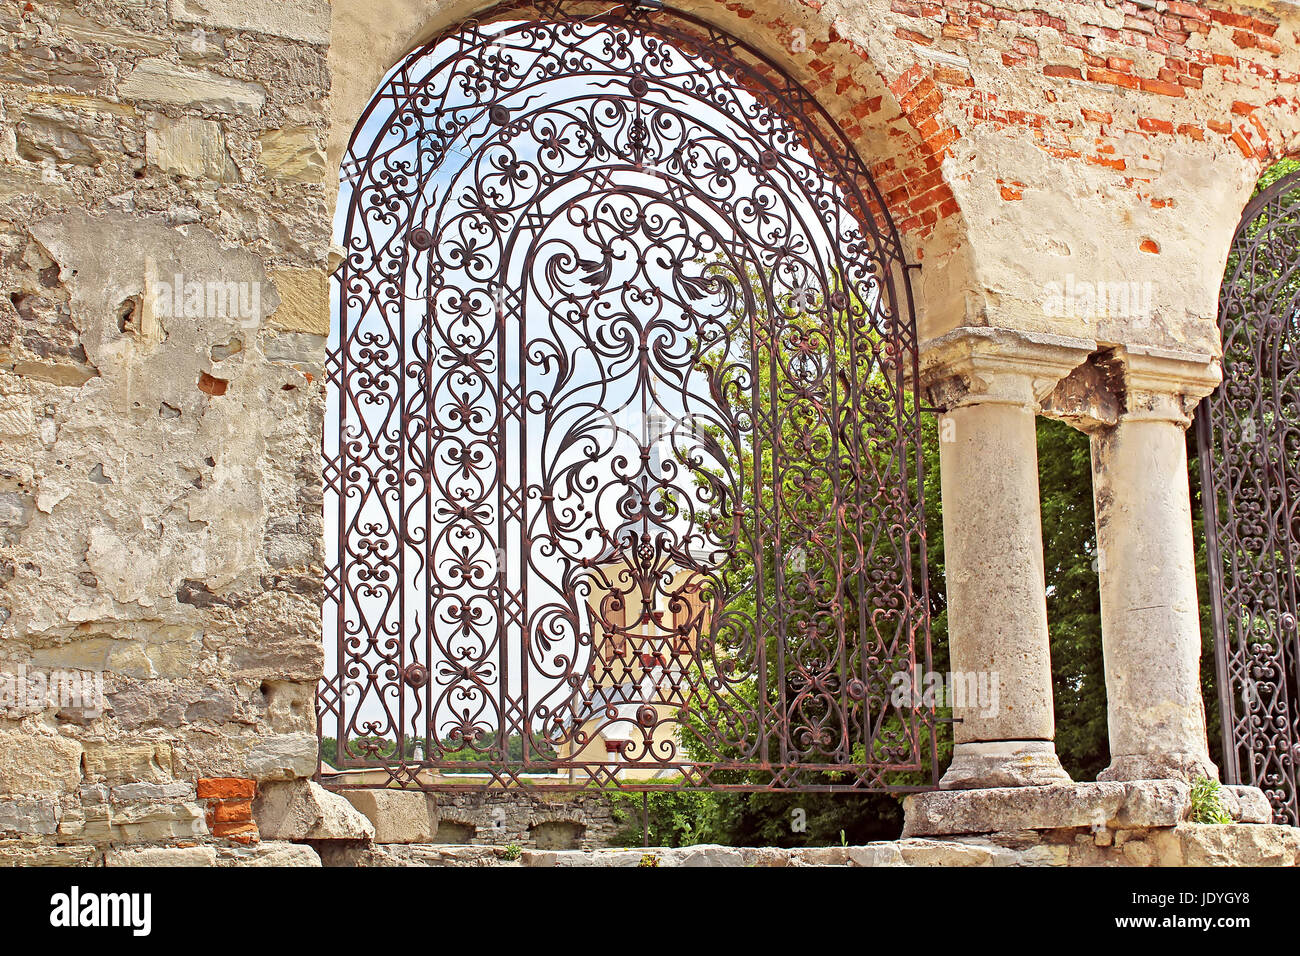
<point x="1112" y="805"/>
<point x="1183" y="845"/>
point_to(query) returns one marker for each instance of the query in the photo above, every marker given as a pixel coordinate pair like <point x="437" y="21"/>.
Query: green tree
<point x="1073" y="598"/>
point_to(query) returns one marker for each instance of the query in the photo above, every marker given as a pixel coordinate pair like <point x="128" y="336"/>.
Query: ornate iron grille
<point x="1249" y="438"/>
<point x="621" y="450"/>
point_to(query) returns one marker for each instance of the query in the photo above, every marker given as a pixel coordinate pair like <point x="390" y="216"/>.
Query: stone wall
<point x="160" y="478"/>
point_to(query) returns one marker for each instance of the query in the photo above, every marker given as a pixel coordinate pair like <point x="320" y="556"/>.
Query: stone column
<point x="990" y="382"/>
<point x="1150" y="616"/>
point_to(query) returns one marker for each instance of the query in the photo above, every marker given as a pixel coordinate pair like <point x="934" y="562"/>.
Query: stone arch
<point x="892" y="117"/>
<point x="456" y="829"/>
<point x="556" y="829"/>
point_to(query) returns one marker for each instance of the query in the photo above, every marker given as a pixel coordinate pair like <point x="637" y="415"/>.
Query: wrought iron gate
<point x="1249" y="438"/>
<point x="623" y="450"/>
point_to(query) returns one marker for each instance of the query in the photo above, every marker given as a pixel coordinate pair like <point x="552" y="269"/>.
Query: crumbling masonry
<point x="160" y="475"/>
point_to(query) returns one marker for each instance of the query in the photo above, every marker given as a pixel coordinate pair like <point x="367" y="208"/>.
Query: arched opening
<point x="624" y="472"/>
<point x="1248" y="471"/>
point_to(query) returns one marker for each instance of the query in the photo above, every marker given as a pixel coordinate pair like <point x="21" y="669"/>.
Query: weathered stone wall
<point x="159" y="455"/>
<point x="160" y="481"/>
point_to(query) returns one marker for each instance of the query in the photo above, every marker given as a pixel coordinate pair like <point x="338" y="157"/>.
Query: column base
<point x="1175" y="766"/>
<point x="1004" y="763"/>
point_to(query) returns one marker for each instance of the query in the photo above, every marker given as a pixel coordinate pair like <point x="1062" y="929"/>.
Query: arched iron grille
<point x="623" y="455"/>
<point x="1249" y="437"/>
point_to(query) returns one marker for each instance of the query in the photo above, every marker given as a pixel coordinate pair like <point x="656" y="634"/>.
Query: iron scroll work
<point x="623" y="443"/>
<point x="1248" y="434"/>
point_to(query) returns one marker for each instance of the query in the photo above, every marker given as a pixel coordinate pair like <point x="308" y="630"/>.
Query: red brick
<point x="1012" y="192"/>
<point x="1108" y="162"/>
<point x="1243" y="144"/>
<point x="1116" y="79"/>
<point x="1190" y="10"/>
<point x="1162" y="87"/>
<point x="952" y="76"/>
<point x="1152" y="125"/>
<point x="1229" y="18"/>
<point x="212" y="385"/>
<point x="232" y="811"/>
<point x="911" y="36"/>
<point x="239" y="832"/>
<point x="1056" y="69"/>
<point x="1151" y="246"/>
<point x="226" y="788"/>
<point x="1263" y="27"/>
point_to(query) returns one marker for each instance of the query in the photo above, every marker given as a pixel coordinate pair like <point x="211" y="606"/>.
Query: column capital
<point x="980" y="365"/>
<point x="1162" y="384"/>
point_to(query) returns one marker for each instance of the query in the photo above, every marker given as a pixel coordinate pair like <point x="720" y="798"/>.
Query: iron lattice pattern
<point x="622" y="459"/>
<point x="1249" y="436"/>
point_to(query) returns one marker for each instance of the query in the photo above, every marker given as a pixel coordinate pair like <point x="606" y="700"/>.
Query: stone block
<point x="85" y="30"/>
<point x="1230" y="844"/>
<point x="707" y="855"/>
<point x="268" y="853"/>
<point x="943" y="853"/>
<point x="34" y="816"/>
<point x="33" y="763"/>
<point x="304" y="810"/>
<point x="294" y="153"/>
<point x="305" y="20"/>
<point x="157" y="823"/>
<point x="189" y="146"/>
<point x="16" y="853"/>
<point x="399" y="816"/>
<point x="152" y="792"/>
<point x="161" y="856"/>
<point x="284" y="757"/>
<point x="1247" y="804"/>
<point x="876" y="854"/>
<point x="119" y="763"/>
<point x="304" y="301"/>
<point x="414" y="854"/>
<point x="160" y="81"/>
<point x="1127" y="805"/>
